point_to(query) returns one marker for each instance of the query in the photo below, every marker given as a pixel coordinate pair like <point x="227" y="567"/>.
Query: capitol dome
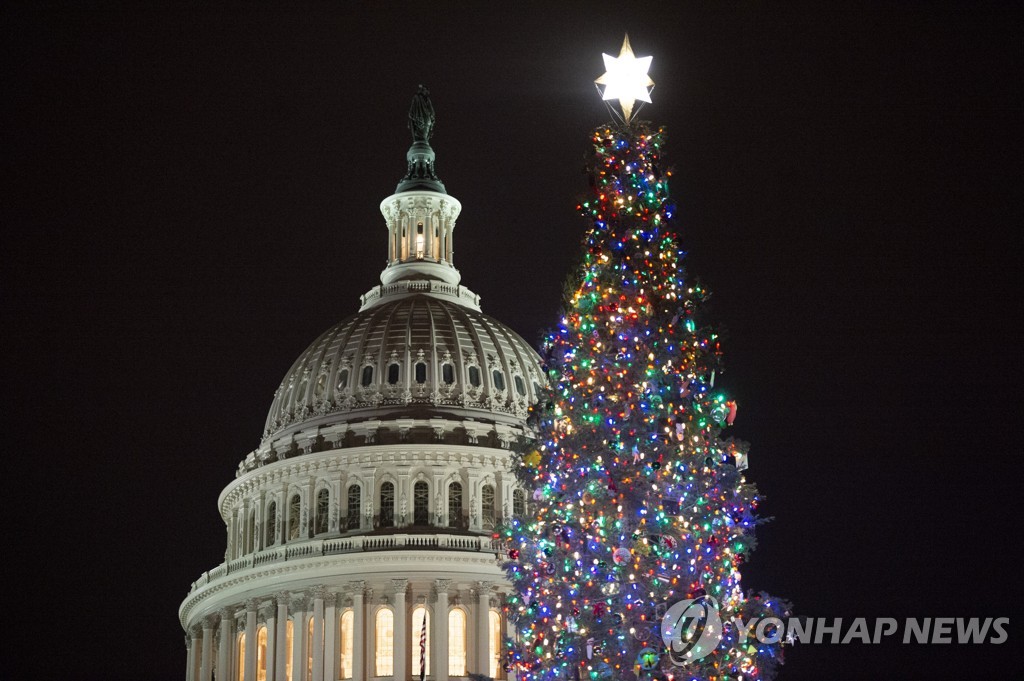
<point x="364" y="521"/>
<point x="416" y="356"/>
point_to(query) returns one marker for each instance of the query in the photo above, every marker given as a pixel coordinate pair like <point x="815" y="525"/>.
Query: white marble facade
<point x="382" y="470"/>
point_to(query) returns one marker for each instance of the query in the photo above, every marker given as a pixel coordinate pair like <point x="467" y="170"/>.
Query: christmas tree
<point x="639" y="500"/>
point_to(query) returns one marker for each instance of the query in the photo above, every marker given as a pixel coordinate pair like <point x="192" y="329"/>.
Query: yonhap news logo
<point x="692" y="629"/>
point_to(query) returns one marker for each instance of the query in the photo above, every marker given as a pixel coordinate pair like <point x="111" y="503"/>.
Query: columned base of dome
<point x="352" y="608"/>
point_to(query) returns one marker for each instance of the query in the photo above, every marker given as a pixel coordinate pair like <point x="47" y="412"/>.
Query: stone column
<point x="281" y="640"/>
<point x="224" y="650"/>
<point x="483" y="627"/>
<point x="269" y="615"/>
<point x="318" y="634"/>
<point x="195" y="653"/>
<point x="359" y="629"/>
<point x="401" y="637"/>
<point x="330" y="636"/>
<point x="250" y="639"/>
<point x="189" y="657"/>
<point x="439" y="640"/>
<point x="299" y="626"/>
<point x="206" y="660"/>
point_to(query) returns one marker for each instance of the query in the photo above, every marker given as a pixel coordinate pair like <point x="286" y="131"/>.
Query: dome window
<point x="499" y="379"/>
<point x="448" y="374"/>
<point x="387" y="504"/>
<point x="454" y="504"/>
<point x="421" y="241"/>
<point x="294" y="508"/>
<point x="321" y="385"/>
<point x="421" y="372"/>
<point x="271" y="523"/>
<point x="520" y="386"/>
<point x="474" y="377"/>
<point x="393" y="371"/>
<point x="421" y="503"/>
<point x="354" y="502"/>
<point x="323" y="505"/>
<point x="343" y="380"/>
<point x="367" y="376"/>
<point x="487" y="506"/>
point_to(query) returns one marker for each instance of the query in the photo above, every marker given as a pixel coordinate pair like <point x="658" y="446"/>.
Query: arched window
<point x="309" y="648"/>
<point x="294" y="508"/>
<point x="241" y="656"/>
<point x="447" y="374"/>
<point x="454" y="504"/>
<point x="271" y="523"/>
<point x="323" y="509"/>
<point x="518" y="503"/>
<point x="354" y="506"/>
<point x="421" y="372"/>
<point x="474" y="377"/>
<point x="421" y="503"/>
<point x="457" y="642"/>
<point x="520" y="385"/>
<point x="421" y="240"/>
<point x="347" y="621"/>
<point x="419" y="614"/>
<point x="261" y="654"/>
<point x="393" y="370"/>
<point x="487" y="506"/>
<point x="494" y="625"/>
<point x="289" y="633"/>
<point x="499" y="379"/>
<point x="387" y="504"/>
<point x="343" y="380"/>
<point x="321" y="385"/>
<point x="367" y="376"/>
<point x="384" y="642"/>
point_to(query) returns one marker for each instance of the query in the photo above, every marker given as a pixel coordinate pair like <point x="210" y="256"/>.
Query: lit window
<point x="474" y="377"/>
<point x="323" y="506"/>
<point x="520" y="385"/>
<point x="347" y="621"/>
<point x="241" y="656"/>
<point x="293" y="517"/>
<point x="421" y="503"/>
<point x="518" y="503"/>
<point x="387" y="504"/>
<point x="487" y="506"/>
<point x="448" y="374"/>
<point x="454" y="504"/>
<point x="289" y="630"/>
<point x="494" y="620"/>
<point x="421" y="372"/>
<point x="384" y="642"/>
<point x="419" y="614"/>
<point x="271" y="523"/>
<point x="309" y="649"/>
<point x="321" y="385"/>
<point x="420" y="240"/>
<point x="354" y="502"/>
<point x="499" y="379"/>
<point x="457" y="643"/>
<point x="393" y="374"/>
<point x="367" y="376"/>
<point x="261" y="654"/>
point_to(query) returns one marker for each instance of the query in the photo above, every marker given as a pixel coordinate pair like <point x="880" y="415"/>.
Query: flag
<point x="423" y="647"/>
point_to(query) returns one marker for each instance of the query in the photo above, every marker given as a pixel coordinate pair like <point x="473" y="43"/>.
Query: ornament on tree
<point x="731" y="405"/>
<point x="648" y="659"/>
<point x="532" y="459"/>
<point x="621" y="556"/>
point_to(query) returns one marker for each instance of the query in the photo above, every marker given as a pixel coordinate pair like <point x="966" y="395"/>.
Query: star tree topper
<point x="625" y="79"/>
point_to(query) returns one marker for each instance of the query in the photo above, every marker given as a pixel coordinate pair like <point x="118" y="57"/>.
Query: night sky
<point x="191" y="197"/>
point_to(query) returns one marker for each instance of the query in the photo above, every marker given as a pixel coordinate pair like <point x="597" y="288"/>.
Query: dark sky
<point x="191" y="196"/>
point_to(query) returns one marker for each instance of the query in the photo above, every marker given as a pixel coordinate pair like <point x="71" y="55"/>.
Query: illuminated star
<point x="625" y="79"/>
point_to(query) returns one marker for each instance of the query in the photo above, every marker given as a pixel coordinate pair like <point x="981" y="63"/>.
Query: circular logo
<point x="691" y="629"/>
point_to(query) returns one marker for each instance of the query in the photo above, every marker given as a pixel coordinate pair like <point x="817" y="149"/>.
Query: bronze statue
<point x="421" y="116"/>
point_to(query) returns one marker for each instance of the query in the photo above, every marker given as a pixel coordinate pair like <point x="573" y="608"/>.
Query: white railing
<point x="340" y="545"/>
